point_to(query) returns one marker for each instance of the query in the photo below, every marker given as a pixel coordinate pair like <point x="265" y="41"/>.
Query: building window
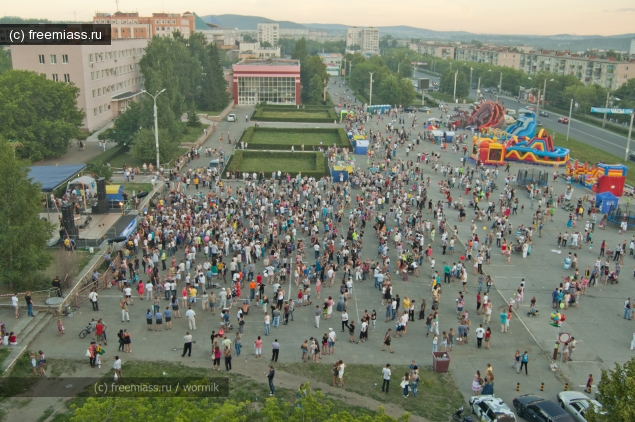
<point x="41" y="57"/>
<point x="100" y="110"/>
<point x="67" y="77"/>
<point x="99" y="92"/>
<point x="92" y="76"/>
<point x="93" y="93"/>
<point x="54" y="77"/>
<point x="53" y="59"/>
<point x="95" y="111"/>
<point x="90" y="58"/>
<point x="64" y="58"/>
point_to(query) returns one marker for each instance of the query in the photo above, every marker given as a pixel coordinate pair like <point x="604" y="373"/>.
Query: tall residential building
<point x="367" y="39"/>
<point x="269" y="32"/>
<point x="108" y="76"/>
<point x="631" y="51"/>
<point x="131" y="25"/>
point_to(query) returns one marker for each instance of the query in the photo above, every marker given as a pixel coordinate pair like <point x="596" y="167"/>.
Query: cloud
<point x="625" y="10"/>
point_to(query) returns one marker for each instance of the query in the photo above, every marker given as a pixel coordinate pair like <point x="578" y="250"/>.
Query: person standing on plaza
<point x="92" y="296"/>
<point x="227" y="353"/>
<point x="267" y="320"/>
<point x="187" y="344"/>
<point x="524" y="361"/>
<point x="16" y="306"/>
<point x="503" y="321"/>
<point x="317" y="314"/>
<point x="158" y="320"/>
<point x="258" y="346"/>
<point x="386" y="342"/>
<point x="386" y="373"/>
<point x="270" y="376"/>
<point x="116" y="366"/>
<point x="480" y="334"/>
<point x="191" y="318"/>
<point x="330" y="342"/>
<point x="488" y="336"/>
<point x="275" y="350"/>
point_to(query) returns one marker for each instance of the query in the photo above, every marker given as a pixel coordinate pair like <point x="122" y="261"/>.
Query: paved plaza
<point x="603" y="335"/>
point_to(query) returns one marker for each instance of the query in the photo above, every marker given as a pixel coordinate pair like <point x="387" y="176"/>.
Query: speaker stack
<point x="68" y="221"/>
<point x="103" y="204"/>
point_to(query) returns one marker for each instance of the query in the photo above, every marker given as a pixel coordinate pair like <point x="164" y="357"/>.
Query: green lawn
<point x="308" y="139"/>
<point x="129" y="187"/>
<point x="584" y="152"/>
<point x="438" y="394"/>
<point x="285" y="163"/>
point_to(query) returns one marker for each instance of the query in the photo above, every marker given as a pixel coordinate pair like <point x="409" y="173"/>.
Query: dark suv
<point x="410" y="109"/>
<point x="537" y="409"/>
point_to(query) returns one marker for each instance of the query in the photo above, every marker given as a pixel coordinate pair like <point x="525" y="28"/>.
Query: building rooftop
<point x="268" y="62"/>
<point x="329" y="55"/>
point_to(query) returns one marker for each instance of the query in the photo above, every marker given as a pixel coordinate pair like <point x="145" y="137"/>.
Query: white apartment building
<point x="437" y="50"/>
<point x="294" y="34"/>
<point x="108" y="76"/>
<point x="269" y="32"/>
<point x="366" y="38"/>
<point x="253" y="50"/>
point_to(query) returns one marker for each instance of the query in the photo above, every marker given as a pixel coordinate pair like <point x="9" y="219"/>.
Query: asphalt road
<point x="590" y="135"/>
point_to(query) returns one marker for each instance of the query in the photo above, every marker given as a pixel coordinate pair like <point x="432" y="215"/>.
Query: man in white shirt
<point x="191" y="318"/>
<point x="92" y="296"/>
<point x="386" y="373"/>
<point x="117" y="368"/>
<point x="331" y="341"/>
<point x="167" y="290"/>
<point x="480" y="333"/>
<point x="149" y="291"/>
<point x="187" y="344"/>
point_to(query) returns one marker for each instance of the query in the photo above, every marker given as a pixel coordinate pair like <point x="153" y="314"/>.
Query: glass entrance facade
<point x="271" y="90"/>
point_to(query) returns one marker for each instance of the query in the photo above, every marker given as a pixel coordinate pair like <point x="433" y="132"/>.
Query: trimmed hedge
<point x="258" y="114"/>
<point x="248" y="135"/>
<point x="235" y="163"/>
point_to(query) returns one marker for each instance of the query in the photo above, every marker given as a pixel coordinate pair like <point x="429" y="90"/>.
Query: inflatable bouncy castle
<point x="600" y="178"/>
<point x="487" y="115"/>
<point x="497" y="147"/>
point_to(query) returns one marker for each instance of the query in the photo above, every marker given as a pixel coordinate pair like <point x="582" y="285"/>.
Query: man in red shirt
<point x="259" y="278"/>
<point x="99" y="330"/>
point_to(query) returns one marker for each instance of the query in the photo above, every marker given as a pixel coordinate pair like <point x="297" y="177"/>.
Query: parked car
<point x="231" y="118"/>
<point x="538" y="123"/>
<point x="424" y="109"/>
<point x="564" y="120"/>
<point x="577" y="403"/>
<point x="409" y="109"/>
<point x="536" y="409"/>
<point x="543" y="114"/>
<point x="491" y="409"/>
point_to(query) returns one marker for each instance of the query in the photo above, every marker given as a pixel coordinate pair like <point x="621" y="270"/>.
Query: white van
<point x="510" y="112"/>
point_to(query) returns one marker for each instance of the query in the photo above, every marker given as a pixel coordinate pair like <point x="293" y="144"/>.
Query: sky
<point x="539" y="17"/>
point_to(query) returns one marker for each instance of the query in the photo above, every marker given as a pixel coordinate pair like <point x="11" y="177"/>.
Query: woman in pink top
<point x="330" y="308"/>
<point x="258" y="346"/>
<point x="140" y="290"/>
<point x="184" y="295"/>
<point x="217" y="354"/>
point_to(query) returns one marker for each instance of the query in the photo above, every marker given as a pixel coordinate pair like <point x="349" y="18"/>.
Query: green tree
<point x="616" y="390"/>
<point x="23" y="234"/>
<point x="192" y="119"/>
<point x="405" y="69"/>
<point x="216" y="86"/>
<point x="5" y="61"/>
<point x="314" y="93"/>
<point x="300" y="51"/>
<point x="476" y="43"/>
<point x="40" y="113"/>
<point x="266" y="44"/>
<point x="128" y="123"/>
<point x="144" y="146"/>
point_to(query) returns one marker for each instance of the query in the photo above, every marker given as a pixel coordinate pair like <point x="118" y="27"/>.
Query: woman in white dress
<point x="633" y="342"/>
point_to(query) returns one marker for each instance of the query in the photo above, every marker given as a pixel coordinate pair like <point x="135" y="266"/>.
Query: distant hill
<point x="554" y="42"/>
<point x="248" y="22"/>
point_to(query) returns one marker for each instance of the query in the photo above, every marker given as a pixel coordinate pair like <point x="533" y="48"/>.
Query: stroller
<point x="533" y="311"/>
<point x="613" y="277"/>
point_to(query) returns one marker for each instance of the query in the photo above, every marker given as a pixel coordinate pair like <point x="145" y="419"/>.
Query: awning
<point x="50" y="177"/>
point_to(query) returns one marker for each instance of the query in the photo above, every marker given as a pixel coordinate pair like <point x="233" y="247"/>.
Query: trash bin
<point x="440" y="362"/>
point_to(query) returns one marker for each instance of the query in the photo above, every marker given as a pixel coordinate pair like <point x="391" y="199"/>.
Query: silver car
<point x="577" y="404"/>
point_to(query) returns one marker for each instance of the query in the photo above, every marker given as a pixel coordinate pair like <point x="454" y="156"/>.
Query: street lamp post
<point x="156" y="123"/>
<point x="455" y="75"/>
<point x="350" y="69"/>
<point x="471" y="69"/>
<point x="608" y="93"/>
<point x="544" y="92"/>
<point x="478" y="89"/>
<point x="370" y="100"/>
<point x="628" y="140"/>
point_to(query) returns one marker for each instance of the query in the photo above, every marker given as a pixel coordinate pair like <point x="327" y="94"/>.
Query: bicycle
<point x="86" y="331"/>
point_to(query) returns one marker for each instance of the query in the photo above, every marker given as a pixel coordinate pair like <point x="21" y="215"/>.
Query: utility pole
<point x="471" y="69"/>
<point x="500" y="85"/>
<point x="538" y="105"/>
<point x="370" y="100"/>
<point x="628" y="140"/>
<point x="455" y="75"/>
<point x="608" y="93"/>
<point x="350" y="66"/>
<point x="569" y="123"/>
<point x="156" y="123"/>
<point x="344" y="68"/>
<point x="324" y="90"/>
<point x="478" y="89"/>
